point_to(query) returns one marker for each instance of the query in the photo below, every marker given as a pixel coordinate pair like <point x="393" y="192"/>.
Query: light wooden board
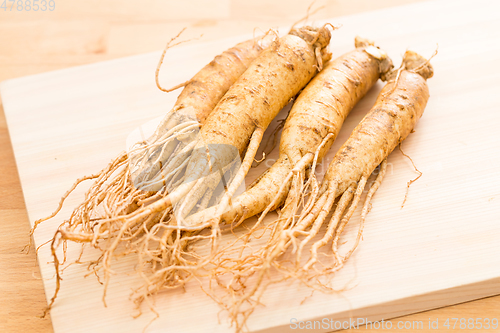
<point x="442" y="248"/>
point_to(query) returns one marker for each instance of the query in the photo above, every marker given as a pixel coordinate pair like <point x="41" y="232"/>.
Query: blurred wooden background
<point x="85" y="31"/>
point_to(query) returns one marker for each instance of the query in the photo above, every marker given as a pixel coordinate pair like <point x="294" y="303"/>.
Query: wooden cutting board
<point x="441" y="248"/>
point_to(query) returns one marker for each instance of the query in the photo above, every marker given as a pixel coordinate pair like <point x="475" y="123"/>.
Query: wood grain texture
<point x="21" y="289"/>
<point x="108" y="30"/>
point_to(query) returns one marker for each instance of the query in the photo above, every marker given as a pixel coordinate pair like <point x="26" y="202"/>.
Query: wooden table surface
<point x="78" y="32"/>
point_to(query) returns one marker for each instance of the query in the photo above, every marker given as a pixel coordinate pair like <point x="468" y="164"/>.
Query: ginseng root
<point x="127" y="183"/>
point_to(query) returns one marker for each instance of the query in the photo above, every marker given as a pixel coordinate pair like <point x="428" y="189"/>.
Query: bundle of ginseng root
<point x="145" y="194"/>
<point x="244" y="276"/>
